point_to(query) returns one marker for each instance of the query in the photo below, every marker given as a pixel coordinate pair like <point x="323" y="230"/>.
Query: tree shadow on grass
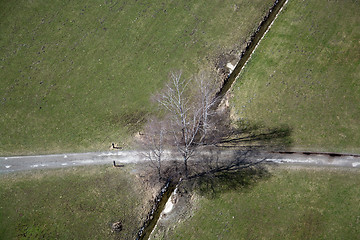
<point x="237" y="160"/>
<point x="257" y="136"/>
<point x="217" y="173"/>
<point x="213" y="184"/>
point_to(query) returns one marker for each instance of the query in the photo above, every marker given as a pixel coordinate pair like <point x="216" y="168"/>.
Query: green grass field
<point x="72" y="203"/>
<point x="305" y="74"/>
<point x="76" y="76"/>
<point x="303" y="203"/>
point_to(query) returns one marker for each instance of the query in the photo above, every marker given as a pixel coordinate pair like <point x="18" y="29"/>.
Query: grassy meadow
<point x="72" y="203"/>
<point x="290" y="203"/>
<point x="76" y="76"/>
<point x="306" y="74"/>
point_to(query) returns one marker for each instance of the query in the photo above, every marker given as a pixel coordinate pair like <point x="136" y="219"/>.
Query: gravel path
<point x="351" y="161"/>
<point x="21" y="163"/>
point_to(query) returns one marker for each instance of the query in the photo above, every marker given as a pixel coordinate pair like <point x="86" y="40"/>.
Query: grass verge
<point x="72" y="203"/>
<point x="76" y="76"/>
<point x="305" y="74"/>
<point x="291" y="203"/>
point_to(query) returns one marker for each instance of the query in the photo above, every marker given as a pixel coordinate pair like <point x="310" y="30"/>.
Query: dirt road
<point x="351" y="161"/>
<point x="21" y="163"/>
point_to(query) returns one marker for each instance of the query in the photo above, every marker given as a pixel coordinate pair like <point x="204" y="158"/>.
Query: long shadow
<point x="258" y="136"/>
<point x="222" y="181"/>
<point x="236" y="161"/>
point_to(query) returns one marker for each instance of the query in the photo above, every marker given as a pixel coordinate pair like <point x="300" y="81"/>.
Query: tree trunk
<point x="159" y="172"/>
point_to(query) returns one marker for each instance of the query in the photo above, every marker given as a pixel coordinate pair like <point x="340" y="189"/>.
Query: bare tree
<point x="206" y="91"/>
<point x="153" y="141"/>
<point x="189" y="113"/>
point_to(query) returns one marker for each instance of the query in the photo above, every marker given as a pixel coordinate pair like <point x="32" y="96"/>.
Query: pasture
<point x="77" y="76"/>
<point x="73" y="203"/>
<point x="284" y="203"/>
<point x="305" y="75"/>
